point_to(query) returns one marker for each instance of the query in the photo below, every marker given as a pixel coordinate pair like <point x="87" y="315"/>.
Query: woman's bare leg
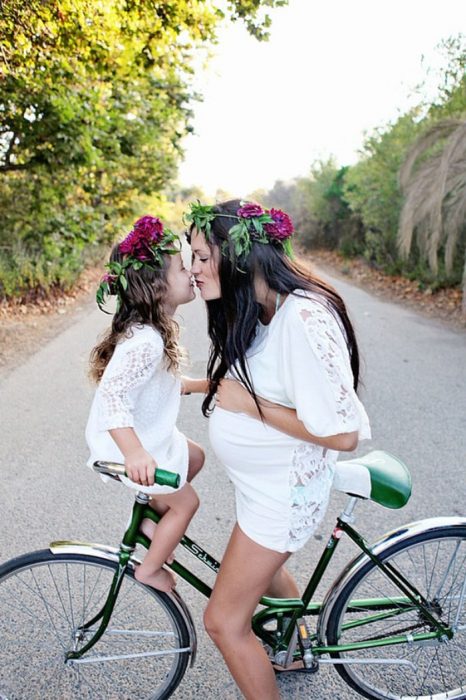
<point x="283" y="585"/>
<point x="247" y="571"/>
<point x="181" y="507"/>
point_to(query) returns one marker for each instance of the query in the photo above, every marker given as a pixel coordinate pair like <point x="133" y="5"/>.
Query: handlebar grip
<point x="166" y="478"/>
<point x="115" y="470"/>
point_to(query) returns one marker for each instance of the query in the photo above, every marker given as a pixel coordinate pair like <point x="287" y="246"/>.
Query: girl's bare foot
<point x="161" y="579"/>
<point x="148" y="528"/>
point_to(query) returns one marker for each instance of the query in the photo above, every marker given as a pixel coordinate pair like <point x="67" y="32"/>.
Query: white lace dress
<point x="282" y="484"/>
<point x="137" y="391"/>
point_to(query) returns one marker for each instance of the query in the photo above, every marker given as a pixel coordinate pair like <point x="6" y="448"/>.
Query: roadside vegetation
<point x="96" y="98"/>
<point x="402" y="206"/>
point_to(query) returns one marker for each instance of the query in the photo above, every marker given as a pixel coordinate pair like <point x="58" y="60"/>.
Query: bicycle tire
<point x="435" y="562"/>
<point x="44" y="597"/>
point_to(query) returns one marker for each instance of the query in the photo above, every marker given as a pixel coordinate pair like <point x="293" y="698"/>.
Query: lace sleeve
<point x="318" y="375"/>
<point x="123" y="378"/>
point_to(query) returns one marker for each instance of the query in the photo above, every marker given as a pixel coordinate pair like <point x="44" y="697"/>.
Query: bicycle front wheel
<point x="435" y="563"/>
<point x="46" y="598"/>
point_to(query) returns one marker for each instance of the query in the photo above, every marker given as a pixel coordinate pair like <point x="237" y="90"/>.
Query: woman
<point x="281" y="393"/>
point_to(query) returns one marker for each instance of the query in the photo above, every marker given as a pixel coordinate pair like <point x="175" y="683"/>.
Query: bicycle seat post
<point x="346" y="516"/>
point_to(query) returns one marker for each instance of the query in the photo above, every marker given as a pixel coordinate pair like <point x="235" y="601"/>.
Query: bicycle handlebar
<point x="115" y="470"/>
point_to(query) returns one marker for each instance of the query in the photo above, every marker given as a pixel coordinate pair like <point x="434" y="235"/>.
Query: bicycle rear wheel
<point x="435" y="563"/>
<point x="44" y="598"/>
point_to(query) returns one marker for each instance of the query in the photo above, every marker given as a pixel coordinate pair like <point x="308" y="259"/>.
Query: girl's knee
<point x="196" y="459"/>
<point x="194" y="502"/>
<point x="191" y="499"/>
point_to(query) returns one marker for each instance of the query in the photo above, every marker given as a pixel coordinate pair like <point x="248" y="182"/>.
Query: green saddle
<point x="378" y="475"/>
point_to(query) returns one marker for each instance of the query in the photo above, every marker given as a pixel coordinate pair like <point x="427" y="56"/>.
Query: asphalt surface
<point x="414" y="376"/>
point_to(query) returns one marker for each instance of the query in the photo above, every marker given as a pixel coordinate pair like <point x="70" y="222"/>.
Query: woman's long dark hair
<point x="232" y="319"/>
<point x="142" y="302"/>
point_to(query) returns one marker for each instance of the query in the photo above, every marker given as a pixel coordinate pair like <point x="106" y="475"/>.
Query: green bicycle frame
<point x="285" y="611"/>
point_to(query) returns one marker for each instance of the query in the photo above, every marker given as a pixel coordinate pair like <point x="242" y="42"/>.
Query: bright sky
<point x="331" y="71"/>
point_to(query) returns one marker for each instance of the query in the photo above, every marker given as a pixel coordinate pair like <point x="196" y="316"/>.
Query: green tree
<point x="372" y="188"/>
<point x="95" y="99"/>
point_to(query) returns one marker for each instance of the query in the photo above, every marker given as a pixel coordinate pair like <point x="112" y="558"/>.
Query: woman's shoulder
<point x="312" y="313"/>
<point x="303" y="303"/>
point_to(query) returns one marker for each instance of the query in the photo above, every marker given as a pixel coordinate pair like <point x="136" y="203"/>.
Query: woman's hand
<point x="140" y="466"/>
<point x="232" y="396"/>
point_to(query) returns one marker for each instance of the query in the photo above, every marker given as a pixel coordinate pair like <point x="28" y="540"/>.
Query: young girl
<point x="136" y="404"/>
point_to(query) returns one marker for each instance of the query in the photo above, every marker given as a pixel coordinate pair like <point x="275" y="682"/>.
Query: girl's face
<point x="180" y="286"/>
<point x="204" y="267"/>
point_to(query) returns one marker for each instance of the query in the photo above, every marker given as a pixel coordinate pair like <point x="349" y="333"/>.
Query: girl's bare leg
<point x="196" y="457"/>
<point x="247" y="571"/>
<point x="181" y="507"/>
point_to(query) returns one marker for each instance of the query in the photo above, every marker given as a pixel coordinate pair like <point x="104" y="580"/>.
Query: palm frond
<point x="435" y="193"/>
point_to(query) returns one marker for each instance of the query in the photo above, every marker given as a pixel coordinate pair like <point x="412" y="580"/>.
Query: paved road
<point x="415" y="392"/>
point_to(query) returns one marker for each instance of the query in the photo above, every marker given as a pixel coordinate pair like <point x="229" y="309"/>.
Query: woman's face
<point x="204" y="267"/>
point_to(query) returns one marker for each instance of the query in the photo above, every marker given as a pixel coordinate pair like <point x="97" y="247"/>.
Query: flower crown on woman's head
<point x="255" y="224"/>
<point x="146" y="244"/>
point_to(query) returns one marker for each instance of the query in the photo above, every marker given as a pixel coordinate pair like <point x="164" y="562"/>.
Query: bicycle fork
<point x="127" y="548"/>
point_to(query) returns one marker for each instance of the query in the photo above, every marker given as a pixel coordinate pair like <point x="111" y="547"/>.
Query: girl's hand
<point x="193" y="386"/>
<point x="232" y="396"/>
<point x="185" y="386"/>
<point x="140" y="466"/>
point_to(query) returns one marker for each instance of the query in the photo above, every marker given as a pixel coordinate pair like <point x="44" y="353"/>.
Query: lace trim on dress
<point x="310" y="481"/>
<point x="325" y="337"/>
<point x="132" y="370"/>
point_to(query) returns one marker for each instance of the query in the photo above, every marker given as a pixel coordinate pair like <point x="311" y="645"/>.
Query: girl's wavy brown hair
<point x="142" y="302"/>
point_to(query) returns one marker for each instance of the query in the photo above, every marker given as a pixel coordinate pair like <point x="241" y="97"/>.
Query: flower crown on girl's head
<point x="254" y="224"/>
<point x="146" y="244"/>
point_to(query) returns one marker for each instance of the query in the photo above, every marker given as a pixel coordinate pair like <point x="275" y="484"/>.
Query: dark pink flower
<point x="282" y="226"/>
<point x="250" y="210"/>
<point x="109" y="277"/>
<point x="146" y="231"/>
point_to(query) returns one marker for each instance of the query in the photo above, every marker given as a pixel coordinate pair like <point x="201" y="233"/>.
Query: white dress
<point x="300" y="360"/>
<point x="137" y="391"/>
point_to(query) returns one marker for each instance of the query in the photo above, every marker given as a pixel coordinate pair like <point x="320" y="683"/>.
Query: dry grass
<point x="444" y="305"/>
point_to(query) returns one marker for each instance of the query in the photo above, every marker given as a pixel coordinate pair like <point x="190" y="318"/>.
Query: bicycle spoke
<point x="436" y="566"/>
<point x="146" y="643"/>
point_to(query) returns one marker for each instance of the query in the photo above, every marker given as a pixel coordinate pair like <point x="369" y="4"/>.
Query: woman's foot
<point x="148" y="528"/>
<point x="161" y="579"/>
<point x="295" y="667"/>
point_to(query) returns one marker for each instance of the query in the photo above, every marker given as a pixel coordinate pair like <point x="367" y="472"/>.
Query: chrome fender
<point x="390" y="538"/>
<point x="103" y="551"/>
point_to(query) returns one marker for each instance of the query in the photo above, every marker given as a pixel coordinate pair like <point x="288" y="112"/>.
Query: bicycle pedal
<point x="304" y="634"/>
<point x="305" y="645"/>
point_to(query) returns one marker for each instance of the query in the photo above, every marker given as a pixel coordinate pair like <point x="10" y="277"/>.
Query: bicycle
<point x="75" y="623"/>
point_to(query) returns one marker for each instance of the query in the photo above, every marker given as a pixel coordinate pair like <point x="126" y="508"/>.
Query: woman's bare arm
<point x="232" y="396"/>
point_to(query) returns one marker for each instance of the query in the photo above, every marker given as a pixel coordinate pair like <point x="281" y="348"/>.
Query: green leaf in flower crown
<point x="137" y="265"/>
<point x="122" y="280"/>
<point x="257" y="224"/>
<point x="287" y="247"/>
